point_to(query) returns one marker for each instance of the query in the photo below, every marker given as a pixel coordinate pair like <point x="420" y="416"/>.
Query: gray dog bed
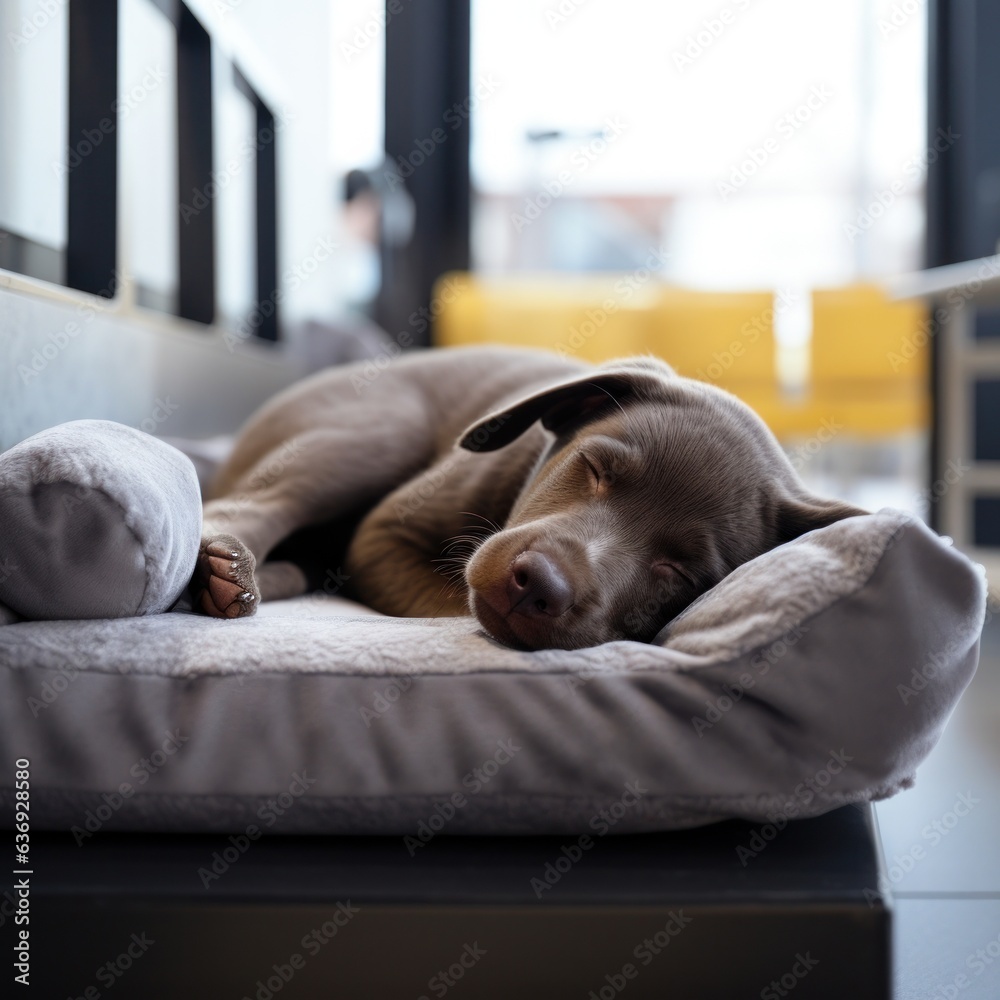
<point x="821" y="673"/>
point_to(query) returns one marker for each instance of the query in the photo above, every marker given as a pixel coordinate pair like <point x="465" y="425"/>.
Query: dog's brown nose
<point x="538" y="587"/>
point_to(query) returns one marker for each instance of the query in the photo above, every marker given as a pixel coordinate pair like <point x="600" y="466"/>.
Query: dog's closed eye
<point x="607" y="462"/>
<point x="599" y="478"/>
<point x="672" y="572"/>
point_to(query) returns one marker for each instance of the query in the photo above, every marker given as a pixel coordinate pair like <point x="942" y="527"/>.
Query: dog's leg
<point x="237" y="531"/>
<point x="223" y="584"/>
<point x="394" y="558"/>
<point x="312" y="478"/>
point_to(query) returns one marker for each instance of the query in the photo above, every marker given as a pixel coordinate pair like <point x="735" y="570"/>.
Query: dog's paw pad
<point x="224" y="585"/>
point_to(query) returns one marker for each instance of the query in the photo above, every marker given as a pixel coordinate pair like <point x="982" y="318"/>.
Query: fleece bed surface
<point x="819" y="674"/>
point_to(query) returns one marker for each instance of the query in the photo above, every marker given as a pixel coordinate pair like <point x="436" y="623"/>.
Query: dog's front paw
<point x="223" y="584"/>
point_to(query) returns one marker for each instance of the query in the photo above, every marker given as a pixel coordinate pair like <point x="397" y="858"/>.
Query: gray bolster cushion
<point x="99" y="520"/>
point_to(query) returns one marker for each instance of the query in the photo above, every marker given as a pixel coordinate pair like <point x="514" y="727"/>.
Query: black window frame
<point x="89" y="260"/>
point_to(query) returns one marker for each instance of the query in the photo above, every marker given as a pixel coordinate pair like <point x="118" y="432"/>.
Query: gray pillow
<point x="821" y="673"/>
<point x="99" y="521"/>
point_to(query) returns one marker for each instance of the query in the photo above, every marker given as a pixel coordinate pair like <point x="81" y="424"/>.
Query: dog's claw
<point x="223" y="584"/>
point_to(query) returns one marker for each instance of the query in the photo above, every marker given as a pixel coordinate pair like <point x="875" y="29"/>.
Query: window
<point x="89" y="86"/>
<point x="758" y="144"/>
<point x="33" y="124"/>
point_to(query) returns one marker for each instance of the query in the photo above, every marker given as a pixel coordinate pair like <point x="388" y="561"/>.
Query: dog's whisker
<point x="456" y="541"/>
<point x="470" y="528"/>
<point x="461" y="551"/>
<point x="451" y="565"/>
<point x="452" y="568"/>
<point x="488" y="520"/>
<point x="447" y="591"/>
<point x="480" y="528"/>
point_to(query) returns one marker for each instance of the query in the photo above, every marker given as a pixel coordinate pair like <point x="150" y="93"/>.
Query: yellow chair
<point x="726" y="339"/>
<point x="723" y="338"/>
<point x="594" y="318"/>
<point x="869" y="361"/>
<point x="868" y="358"/>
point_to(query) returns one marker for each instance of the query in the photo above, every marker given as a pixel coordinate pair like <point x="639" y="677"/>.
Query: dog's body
<point x="612" y="496"/>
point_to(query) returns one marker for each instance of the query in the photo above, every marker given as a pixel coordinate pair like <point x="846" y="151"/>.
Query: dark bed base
<point x="680" y="915"/>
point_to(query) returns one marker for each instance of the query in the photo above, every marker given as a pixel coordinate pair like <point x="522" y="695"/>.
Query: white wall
<point x="284" y="49"/>
<point x="65" y="355"/>
<point x="33" y="72"/>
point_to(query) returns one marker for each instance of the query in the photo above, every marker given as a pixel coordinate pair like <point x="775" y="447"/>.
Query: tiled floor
<point x="942" y="849"/>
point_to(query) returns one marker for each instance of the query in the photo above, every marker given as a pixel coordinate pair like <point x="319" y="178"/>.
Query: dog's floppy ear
<point x="559" y="409"/>
<point x="566" y="405"/>
<point x="802" y="514"/>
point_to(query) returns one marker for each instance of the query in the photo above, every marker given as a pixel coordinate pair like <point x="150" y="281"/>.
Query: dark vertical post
<point x="963" y="196"/>
<point x="265" y="211"/>
<point x="937" y="241"/>
<point x="92" y="179"/>
<point x="267" y="223"/>
<point x="426" y="98"/>
<point x="963" y="183"/>
<point x="196" y="226"/>
<point x="937" y="248"/>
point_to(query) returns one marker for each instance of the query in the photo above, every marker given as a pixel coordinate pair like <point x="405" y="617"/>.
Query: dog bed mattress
<point x="819" y="674"/>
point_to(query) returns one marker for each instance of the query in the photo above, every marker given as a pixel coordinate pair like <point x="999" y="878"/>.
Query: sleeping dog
<point x="562" y="504"/>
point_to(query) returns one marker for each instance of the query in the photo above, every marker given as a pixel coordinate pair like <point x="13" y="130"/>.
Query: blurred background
<point x="252" y="192"/>
<point x="205" y="200"/>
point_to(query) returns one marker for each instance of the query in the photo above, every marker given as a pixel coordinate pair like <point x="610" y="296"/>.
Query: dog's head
<point x="653" y="489"/>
